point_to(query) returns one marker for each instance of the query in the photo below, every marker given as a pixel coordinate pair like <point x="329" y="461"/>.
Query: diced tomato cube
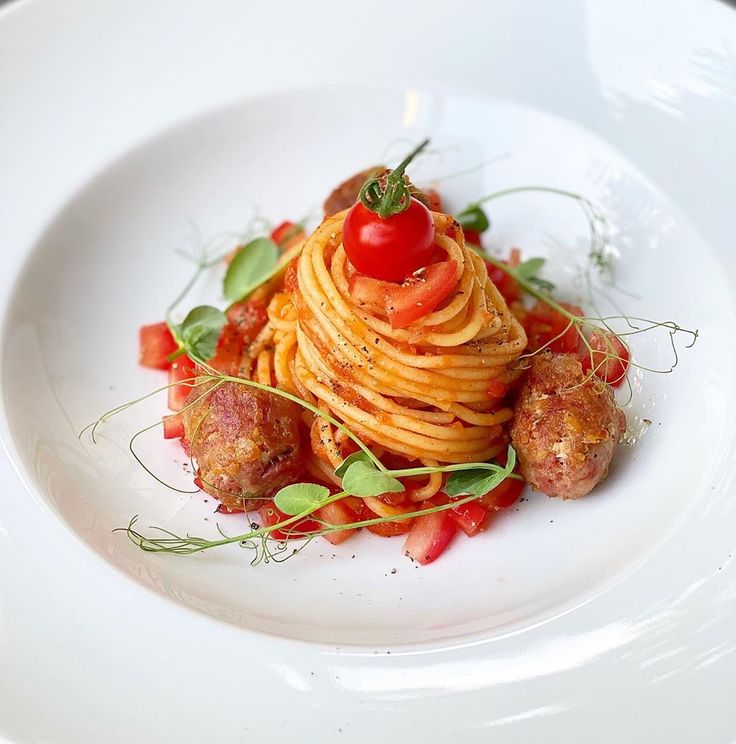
<point x="182" y="369"/>
<point x="173" y="426"/>
<point x="429" y="536"/>
<point x="505" y="283"/>
<point x="225" y="509"/>
<point x="156" y="343"/>
<point x="472" y="236"/>
<point x="550" y="329"/>
<point x="347" y="448"/>
<point x="608" y="357"/>
<point x="469" y="517"/>
<point x="504" y="495"/>
<point x="336" y="513"/>
<point x="382" y="529"/>
<point x="248" y="317"/>
<point x="270" y="514"/>
<point x="391" y="529"/>
<point x="287" y="234"/>
<point x="229" y="352"/>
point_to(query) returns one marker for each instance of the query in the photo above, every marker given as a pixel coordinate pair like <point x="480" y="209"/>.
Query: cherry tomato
<point x="608" y="358"/>
<point x="389" y="248"/>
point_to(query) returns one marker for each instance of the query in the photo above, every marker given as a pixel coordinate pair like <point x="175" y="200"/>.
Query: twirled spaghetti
<point x="379" y="355"/>
<point x="420" y="392"/>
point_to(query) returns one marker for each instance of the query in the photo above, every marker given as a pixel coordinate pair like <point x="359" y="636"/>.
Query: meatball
<point x="566" y="427"/>
<point x="245" y="441"/>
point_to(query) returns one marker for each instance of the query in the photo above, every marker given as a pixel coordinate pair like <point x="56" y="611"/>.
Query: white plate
<point x="137" y="119"/>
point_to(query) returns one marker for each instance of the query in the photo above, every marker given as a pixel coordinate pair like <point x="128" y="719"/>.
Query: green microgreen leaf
<point x="529" y="271"/>
<point x="252" y="265"/>
<point x="199" y="333"/>
<point x="529" y="268"/>
<point x="349" y="460"/>
<point x="301" y="497"/>
<point x="364" y="479"/>
<point x="479" y="482"/>
<point x="473" y="218"/>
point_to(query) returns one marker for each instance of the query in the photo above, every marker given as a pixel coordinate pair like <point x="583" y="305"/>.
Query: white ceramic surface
<point x="137" y="119"/>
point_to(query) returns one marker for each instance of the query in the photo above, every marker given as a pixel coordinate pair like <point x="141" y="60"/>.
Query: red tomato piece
<point x="156" y="343"/>
<point x="429" y="536"/>
<point x="270" y="514"/>
<point x="393" y="499"/>
<point x="383" y="529"/>
<point x="413" y="299"/>
<point x="248" y="317"/>
<point x="181" y="369"/>
<point x="366" y="290"/>
<point x="338" y="513"/>
<point x="608" y="357"/>
<point x="390" y="248"/>
<point x="550" y="329"/>
<point x="222" y="509"/>
<point x="173" y="426"/>
<point x="347" y="448"/>
<point x="229" y="351"/>
<point x="291" y="278"/>
<point x="420" y="295"/>
<point x="473" y="237"/>
<point x="287" y="234"/>
<point x="390" y="529"/>
<point x="504" y="495"/>
<point x="469" y="517"/>
<point x="505" y="283"/>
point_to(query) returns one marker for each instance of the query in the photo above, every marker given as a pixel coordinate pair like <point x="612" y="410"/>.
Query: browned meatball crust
<point x="566" y="427"/>
<point x="245" y="442"/>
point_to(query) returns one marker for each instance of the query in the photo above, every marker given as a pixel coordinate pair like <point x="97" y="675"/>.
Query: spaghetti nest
<point x="420" y="392"/>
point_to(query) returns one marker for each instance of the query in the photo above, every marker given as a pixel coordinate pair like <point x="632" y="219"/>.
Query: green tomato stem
<point x="392" y="197"/>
